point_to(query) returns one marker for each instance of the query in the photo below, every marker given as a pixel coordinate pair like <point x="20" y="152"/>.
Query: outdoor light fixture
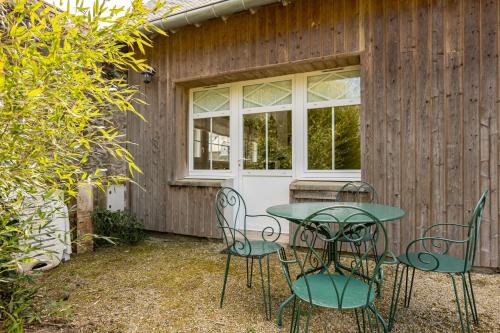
<point x="147" y="75"/>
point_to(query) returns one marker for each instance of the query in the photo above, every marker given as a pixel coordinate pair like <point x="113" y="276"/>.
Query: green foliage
<point x="120" y="227"/>
<point x="347" y="138"/>
<point x="57" y="96"/>
<point x="347" y="142"/>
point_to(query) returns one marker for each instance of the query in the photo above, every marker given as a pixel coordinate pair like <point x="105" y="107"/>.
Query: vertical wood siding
<point x="430" y="97"/>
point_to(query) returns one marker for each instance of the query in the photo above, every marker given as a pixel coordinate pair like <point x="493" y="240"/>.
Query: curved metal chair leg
<point x="408" y="292"/>
<point x="396" y="289"/>
<point x="458" y="302"/>
<point x="292" y="321"/>
<point x="309" y="313"/>
<point x="279" y="320"/>
<point x="466" y="300"/>
<point x="228" y="261"/>
<point x="473" y="301"/>
<point x="249" y="274"/>
<point x="265" y="294"/>
<point x="379" y="319"/>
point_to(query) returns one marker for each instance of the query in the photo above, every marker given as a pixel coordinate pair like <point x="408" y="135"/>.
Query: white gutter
<point x="220" y="9"/>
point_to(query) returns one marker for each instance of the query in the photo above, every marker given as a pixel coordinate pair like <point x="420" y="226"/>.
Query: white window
<point x="210" y="111"/>
<point x="331" y="121"/>
<point x="304" y="125"/>
<point x="267" y="125"/>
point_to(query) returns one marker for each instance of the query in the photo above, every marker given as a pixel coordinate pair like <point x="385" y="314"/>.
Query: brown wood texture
<point x="430" y="110"/>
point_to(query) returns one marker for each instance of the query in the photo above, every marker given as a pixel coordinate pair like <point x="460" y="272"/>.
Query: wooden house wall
<point x="430" y="92"/>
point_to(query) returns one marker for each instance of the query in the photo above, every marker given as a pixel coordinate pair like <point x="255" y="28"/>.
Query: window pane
<point x="267" y="94"/>
<point x="211" y="100"/>
<point x="220" y="143"/>
<point x="254" y="141"/>
<point x="279" y="138"/>
<point x="319" y="139"/>
<point x="201" y="134"/>
<point x="347" y="138"/>
<point x="341" y="85"/>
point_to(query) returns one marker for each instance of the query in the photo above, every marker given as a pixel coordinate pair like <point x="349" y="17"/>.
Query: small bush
<point x="120" y="227"/>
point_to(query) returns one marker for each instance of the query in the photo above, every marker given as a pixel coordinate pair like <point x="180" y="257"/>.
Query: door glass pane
<point x="347" y="138"/>
<point x="337" y="85"/>
<point x="267" y="94"/>
<point x="254" y="141"/>
<point x="279" y="138"/>
<point x="220" y="143"/>
<point x="201" y="133"/>
<point x="319" y="139"/>
<point x="211" y="100"/>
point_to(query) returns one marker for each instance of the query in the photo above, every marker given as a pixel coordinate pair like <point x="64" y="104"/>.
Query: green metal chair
<point x="351" y="289"/>
<point x="359" y="191"/>
<point x="231" y="212"/>
<point x="430" y="253"/>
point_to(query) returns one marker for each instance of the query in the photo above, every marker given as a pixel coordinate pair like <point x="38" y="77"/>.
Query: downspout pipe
<point x="220" y="9"/>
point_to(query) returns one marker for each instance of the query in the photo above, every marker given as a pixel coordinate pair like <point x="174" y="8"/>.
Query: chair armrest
<point x="284" y="262"/>
<point x="271" y="233"/>
<point x="438" y="246"/>
<point x="439" y="225"/>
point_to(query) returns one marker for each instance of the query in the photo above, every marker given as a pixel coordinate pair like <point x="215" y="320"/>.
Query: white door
<point x="265" y="149"/>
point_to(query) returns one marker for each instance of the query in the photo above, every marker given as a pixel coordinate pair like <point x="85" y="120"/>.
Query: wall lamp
<point x="147" y="75"/>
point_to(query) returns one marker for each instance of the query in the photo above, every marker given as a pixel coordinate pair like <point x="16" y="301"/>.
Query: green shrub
<point x="120" y="227"/>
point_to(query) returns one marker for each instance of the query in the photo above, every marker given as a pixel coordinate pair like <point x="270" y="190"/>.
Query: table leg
<point x="279" y="320"/>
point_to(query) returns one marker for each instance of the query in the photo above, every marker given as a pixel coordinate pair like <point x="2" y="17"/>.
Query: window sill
<point x="317" y="185"/>
<point x="200" y="182"/>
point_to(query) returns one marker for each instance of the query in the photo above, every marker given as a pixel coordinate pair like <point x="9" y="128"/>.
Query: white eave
<point x="220" y="9"/>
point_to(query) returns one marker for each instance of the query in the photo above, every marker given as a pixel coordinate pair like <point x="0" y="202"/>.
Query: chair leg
<point x="379" y="319"/>
<point x="466" y="300"/>
<point x="309" y="313"/>
<point x="266" y="294"/>
<point x="473" y="302"/>
<point x="279" y="320"/>
<point x="458" y="302"/>
<point x="396" y="289"/>
<point x="228" y="261"/>
<point x="294" y="315"/>
<point x="249" y="272"/>
<point x="357" y="320"/>
<point x="408" y="292"/>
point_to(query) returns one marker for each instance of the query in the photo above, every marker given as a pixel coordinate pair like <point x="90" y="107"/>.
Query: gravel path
<point x="173" y="284"/>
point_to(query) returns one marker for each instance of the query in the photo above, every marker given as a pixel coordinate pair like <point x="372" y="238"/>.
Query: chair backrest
<point x="231" y="211"/>
<point x="473" y="232"/>
<point x="357" y="191"/>
<point x="349" y="224"/>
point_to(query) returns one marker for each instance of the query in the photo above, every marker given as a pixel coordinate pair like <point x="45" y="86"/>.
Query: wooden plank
<point x="423" y="116"/>
<point x="351" y="17"/>
<point x="471" y="79"/>
<point x="437" y="120"/>
<point x="407" y="81"/>
<point x="392" y="113"/>
<point x="327" y="27"/>
<point x="315" y="45"/>
<point x="487" y="119"/>
<point x="339" y="25"/>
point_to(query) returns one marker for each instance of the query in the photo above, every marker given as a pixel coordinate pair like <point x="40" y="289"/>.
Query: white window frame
<point x="196" y="173"/>
<point x="264" y="109"/>
<point x="342" y="175"/>
<point x="299" y="107"/>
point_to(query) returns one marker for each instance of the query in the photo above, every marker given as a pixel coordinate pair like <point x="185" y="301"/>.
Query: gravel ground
<point x="173" y="284"/>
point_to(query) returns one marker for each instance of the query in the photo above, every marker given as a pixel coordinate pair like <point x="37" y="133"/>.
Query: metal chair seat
<point x="256" y="248"/>
<point x="323" y="294"/>
<point x="437" y="263"/>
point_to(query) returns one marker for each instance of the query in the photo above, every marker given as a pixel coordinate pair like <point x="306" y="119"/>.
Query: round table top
<point x="300" y="211"/>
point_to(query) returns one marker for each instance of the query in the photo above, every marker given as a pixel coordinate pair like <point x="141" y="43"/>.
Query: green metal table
<point x="297" y="212"/>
